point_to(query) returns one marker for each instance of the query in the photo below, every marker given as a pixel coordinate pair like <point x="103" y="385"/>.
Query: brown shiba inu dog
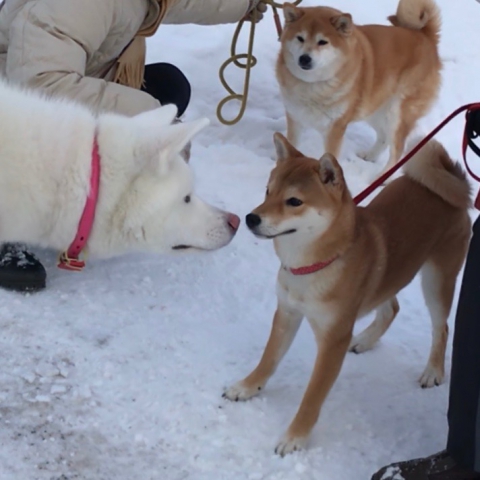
<point x="332" y="72"/>
<point x="340" y="261"/>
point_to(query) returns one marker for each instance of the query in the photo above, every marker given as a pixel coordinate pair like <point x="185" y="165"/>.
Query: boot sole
<point x="23" y="285"/>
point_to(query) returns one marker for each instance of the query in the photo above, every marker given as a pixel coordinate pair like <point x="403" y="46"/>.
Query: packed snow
<point x="117" y="373"/>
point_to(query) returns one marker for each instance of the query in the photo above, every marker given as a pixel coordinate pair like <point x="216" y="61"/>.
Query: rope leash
<point x="472" y="131"/>
<point x="249" y="62"/>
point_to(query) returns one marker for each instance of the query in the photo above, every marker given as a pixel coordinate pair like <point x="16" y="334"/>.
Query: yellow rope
<point x="250" y="62"/>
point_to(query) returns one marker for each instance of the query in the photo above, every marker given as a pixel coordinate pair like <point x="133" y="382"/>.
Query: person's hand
<point x="256" y="10"/>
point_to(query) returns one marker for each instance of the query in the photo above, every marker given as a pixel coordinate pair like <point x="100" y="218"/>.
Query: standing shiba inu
<point x="146" y="197"/>
<point x="340" y="262"/>
<point x="332" y="72"/>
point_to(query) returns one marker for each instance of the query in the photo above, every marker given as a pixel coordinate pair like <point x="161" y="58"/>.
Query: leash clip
<point x="71" y="264"/>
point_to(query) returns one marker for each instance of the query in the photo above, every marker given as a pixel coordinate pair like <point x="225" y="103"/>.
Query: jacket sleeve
<point x="49" y="47"/>
<point x="207" y="12"/>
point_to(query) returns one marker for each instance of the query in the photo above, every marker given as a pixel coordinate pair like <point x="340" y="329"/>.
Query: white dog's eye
<point x="300" y="39"/>
<point x="322" y="42"/>
<point x="187" y="199"/>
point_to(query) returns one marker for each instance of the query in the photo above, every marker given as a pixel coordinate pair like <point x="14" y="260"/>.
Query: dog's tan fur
<point x="419" y="222"/>
<point x="386" y="75"/>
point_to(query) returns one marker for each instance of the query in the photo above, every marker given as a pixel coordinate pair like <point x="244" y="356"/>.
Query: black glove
<point x="472" y="129"/>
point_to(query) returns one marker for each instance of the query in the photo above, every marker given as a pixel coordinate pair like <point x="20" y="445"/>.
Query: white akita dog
<point x="146" y="201"/>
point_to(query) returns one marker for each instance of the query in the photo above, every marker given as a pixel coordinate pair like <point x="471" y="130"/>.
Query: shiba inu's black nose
<point x="253" y="220"/>
<point x="305" y="61"/>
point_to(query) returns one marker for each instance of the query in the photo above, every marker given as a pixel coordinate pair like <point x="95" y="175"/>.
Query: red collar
<point x="311" y="268"/>
<point x="69" y="260"/>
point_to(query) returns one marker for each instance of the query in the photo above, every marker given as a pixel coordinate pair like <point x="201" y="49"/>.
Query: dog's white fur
<point x="45" y="164"/>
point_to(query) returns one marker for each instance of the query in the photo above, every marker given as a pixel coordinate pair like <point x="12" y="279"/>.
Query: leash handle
<point x="250" y="62"/>
<point x="380" y="180"/>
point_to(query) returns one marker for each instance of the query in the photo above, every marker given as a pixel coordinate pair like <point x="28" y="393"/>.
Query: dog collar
<point x="69" y="259"/>
<point x="311" y="268"/>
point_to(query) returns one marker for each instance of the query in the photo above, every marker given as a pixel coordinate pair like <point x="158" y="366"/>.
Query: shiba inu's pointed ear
<point x="393" y="19"/>
<point x="343" y="23"/>
<point x="291" y="12"/>
<point x="284" y="148"/>
<point x="330" y="171"/>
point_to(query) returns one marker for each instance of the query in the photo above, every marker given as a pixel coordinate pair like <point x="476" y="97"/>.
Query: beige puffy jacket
<point x="70" y="47"/>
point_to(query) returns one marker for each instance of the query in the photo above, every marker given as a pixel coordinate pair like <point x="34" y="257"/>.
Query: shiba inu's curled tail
<point x="434" y="169"/>
<point x="421" y="15"/>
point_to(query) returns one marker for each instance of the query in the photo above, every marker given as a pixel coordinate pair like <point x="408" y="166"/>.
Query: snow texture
<point x="117" y="373"/>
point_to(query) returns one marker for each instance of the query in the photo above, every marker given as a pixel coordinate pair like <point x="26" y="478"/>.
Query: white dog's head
<point x="158" y="210"/>
<point x="316" y="41"/>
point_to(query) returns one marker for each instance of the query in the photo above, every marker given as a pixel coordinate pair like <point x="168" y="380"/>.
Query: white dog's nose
<point x="233" y="221"/>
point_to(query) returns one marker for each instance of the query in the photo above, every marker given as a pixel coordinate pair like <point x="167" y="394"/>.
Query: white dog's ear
<point x="149" y="127"/>
<point x="156" y="149"/>
<point x="284" y="148"/>
<point x="291" y="12"/>
<point x="176" y="138"/>
<point x="154" y="120"/>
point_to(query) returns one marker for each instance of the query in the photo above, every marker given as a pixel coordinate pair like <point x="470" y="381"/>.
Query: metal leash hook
<point x="250" y="62"/>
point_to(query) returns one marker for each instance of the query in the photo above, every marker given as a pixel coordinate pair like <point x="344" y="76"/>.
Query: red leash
<point x="471" y="107"/>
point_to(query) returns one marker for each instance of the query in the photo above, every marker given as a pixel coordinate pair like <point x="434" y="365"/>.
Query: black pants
<point x="464" y="408"/>
<point x="168" y="85"/>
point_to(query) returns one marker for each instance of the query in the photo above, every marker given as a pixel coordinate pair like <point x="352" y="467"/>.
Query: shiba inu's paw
<point x="290" y="444"/>
<point x="431" y="377"/>
<point x="241" y="392"/>
<point x="360" y="343"/>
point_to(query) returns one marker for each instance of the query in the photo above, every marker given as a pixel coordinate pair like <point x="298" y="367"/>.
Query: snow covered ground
<point x="117" y="373"/>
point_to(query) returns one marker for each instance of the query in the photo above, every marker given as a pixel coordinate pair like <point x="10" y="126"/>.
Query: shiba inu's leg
<point x="365" y="340"/>
<point x="334" y="137"/>
<point x="294" y="130"/>
<point x="398" y="145"/>
<point x="438" y="285"/>
<point x="400" y="127"/>
<point x="285" y="326"/>
<point x="332" y="347"/>
<point x="378" y="147"/>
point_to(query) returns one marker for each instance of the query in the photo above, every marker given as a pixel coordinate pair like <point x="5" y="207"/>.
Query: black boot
<point x="20" y="270"/>
<point x="440" y="466"/>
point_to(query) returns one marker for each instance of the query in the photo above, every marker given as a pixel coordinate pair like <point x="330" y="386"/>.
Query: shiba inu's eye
<point x="294" y="202"/>
<point x="187" y="199"/>
<point x="267" y="191"/>
<point x="300" y="38"/>
<point x="322" y="42"/>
